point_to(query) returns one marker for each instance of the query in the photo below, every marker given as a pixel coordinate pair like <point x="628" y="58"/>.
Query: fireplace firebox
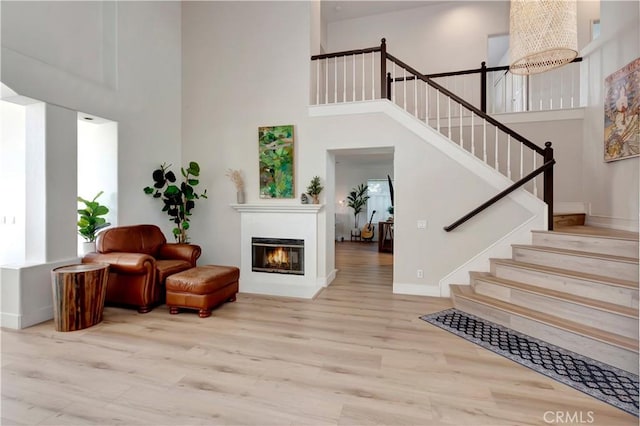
<point x="277" y="255"/>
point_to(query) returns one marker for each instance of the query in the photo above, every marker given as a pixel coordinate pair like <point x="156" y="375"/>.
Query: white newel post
<point x="299" y="221"/>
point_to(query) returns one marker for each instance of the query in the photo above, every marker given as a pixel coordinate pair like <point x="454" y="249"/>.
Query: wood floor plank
<point x="355" y="355"/>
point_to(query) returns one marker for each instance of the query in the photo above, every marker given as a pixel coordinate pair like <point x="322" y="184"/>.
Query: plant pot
<point x="88" y="247"/>
<point x="240" y="197"/>
<point x="316" y="199"/>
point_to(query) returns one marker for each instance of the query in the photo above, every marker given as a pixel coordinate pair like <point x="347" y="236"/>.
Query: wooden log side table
<point x="79" y="292"/>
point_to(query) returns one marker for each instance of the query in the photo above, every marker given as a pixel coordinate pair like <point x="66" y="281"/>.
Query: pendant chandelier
<point x="543" y="35"/>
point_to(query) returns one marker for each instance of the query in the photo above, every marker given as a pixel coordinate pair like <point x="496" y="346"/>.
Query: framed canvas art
<point x="275" y="145"/>
<point x="621" y="113"/>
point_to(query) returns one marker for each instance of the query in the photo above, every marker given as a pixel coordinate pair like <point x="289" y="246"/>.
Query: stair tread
<point x="579" y="253"/>
<point x="628" y="343"/>
<point x="627" y="236"/>
<point x="569" y="273"/>
<point x="596" y="231"/>
<point x="573" y="298"/>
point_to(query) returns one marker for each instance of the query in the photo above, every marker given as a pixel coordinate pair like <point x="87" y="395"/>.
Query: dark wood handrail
<point x="345" y="53"/>
<point x="499" y="196"/>
<point x="468" y="106"/>
<point x="385" y="90"/>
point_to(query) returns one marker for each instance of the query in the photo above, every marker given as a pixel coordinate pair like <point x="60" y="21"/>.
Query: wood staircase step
<point x="595" y="313"/>
<point x="622" y="267"/>
<point x="606" y="289"/>
<point x="611" y="348"/>
<point x="568" y="239"/>
<point x="569" y="219"/>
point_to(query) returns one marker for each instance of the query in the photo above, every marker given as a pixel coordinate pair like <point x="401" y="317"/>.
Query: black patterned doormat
<point x="601" y="381"/>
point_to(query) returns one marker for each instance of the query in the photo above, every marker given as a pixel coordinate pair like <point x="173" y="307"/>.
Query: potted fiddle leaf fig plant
<point x="178" y="199"/>
<point x="90" y="221"/>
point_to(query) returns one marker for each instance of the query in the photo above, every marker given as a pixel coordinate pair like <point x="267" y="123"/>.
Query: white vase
<point x="240" y="197"/>
<point x="88" y="247"/>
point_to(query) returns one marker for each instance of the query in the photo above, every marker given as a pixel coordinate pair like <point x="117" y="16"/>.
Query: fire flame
<point x="278" y="257"/>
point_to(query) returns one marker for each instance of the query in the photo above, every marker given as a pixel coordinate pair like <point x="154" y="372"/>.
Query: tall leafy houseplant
<point x="89" y="218"/>
<point x="178" y="199"/>
<point x="357" y="199"/>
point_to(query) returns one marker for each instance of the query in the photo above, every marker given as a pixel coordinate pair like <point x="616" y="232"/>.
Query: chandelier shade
<point x="543" y="35"/>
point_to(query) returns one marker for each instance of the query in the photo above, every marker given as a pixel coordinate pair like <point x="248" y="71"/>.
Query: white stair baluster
<point x="449" y="113"/>
<point x="373" y="75"/>
<point x="404" y="88"/>
<point x="415" y="95"/>
<point x="426" y="103"/>
<point x="438" y="110"/>
<point x="318" y="82"/>
<point x="335" y="80"/>
<point x="497" y="167"/>
<point x="460" y="122"/>
<point x="473" y="135"/>
<point x="535" y="183"/>
<point x="354" y="79"/>
<point x="484" y="140"/>
<point x="363" y="76"/>
<point x="344" y="79"/>
<point x="326" y="80"/>
<point x="521" y="160"/>
<point x="393" y="82"/>
<point x="509" y="156"/>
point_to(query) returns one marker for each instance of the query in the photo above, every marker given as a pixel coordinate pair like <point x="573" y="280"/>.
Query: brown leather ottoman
<point x="202" y="288"/>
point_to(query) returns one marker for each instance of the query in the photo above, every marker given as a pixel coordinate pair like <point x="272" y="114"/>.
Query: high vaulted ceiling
<point x="333" y="10"/>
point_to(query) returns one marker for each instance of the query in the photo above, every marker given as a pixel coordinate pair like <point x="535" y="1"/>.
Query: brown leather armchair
<point x="140" y="260"/>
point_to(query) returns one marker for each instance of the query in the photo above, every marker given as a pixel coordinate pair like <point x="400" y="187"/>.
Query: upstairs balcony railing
<point x="374" y="73"/>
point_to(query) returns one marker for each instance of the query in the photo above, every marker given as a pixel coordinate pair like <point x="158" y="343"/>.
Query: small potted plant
<point x="236" y="178"/>
<point x="90" y="221"/>
<point x="314" y="189"/>
<point x="390" y="210"/>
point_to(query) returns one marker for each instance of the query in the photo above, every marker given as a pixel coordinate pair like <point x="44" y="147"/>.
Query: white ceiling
<point x="338" y="10"/>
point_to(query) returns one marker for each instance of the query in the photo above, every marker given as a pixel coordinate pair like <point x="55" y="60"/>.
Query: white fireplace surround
<point x="296" y="221"/>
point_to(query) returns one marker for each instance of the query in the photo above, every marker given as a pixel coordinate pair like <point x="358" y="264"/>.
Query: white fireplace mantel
<point x="273" y="220"/>
<point x="277" y="208"/>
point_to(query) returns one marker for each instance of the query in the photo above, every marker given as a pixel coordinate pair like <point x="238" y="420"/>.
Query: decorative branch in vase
<point x="238" y="182"/>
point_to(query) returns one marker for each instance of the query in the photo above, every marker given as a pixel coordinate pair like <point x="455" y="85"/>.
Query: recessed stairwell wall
<point x="435" y="181"/>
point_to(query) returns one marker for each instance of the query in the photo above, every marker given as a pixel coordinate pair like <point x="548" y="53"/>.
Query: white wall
<point x="610" y="189"/>
<point x="12" y="177"/>
<point x="220" y="128"/>
<point x="144" y="97"/>
<point x="118" y="60"/>
<point x="436" y="38"/>
<point x="245" y="65"/>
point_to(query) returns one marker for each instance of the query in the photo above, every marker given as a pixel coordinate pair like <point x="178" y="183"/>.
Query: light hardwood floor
<point x="357" y="355"/>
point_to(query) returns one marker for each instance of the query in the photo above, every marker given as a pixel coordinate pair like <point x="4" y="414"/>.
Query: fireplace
<point x="277" y="255"/>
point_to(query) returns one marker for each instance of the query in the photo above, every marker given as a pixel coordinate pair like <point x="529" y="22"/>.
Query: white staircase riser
<point x="587" y="264"/>
<point x="613" y="246"/>
<point x="607" y="321"/>
<point x="622" y="296"/>
<point x="609" y="354"/>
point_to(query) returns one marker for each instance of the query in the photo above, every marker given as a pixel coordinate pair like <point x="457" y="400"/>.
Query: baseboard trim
<point x="280" y="289"/>
<point x="416" y="289"/>
<point x="326" y="281"/>
<point x="612" y="222"/>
